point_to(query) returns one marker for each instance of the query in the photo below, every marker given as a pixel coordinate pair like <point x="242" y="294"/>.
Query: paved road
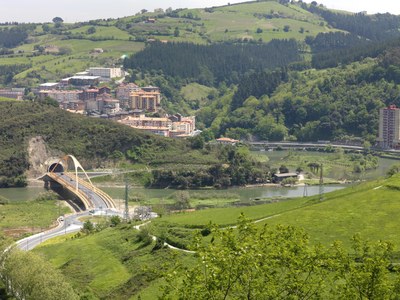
<point x="69" y="223"/>
<point x="97" y="201"/>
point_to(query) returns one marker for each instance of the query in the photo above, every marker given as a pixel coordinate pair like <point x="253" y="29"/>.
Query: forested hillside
<point x="216" y="63"/>
<point x="96" y="143"/>
<point x="332" y="104"/>
<point x="93" y="141"/>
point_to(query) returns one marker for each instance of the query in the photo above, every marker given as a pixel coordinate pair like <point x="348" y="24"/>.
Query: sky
<point x="84" y="10"/>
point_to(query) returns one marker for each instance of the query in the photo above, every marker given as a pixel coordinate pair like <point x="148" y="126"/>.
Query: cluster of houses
<point x="128" y="104"/>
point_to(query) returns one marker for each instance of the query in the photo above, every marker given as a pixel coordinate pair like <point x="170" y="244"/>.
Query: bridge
<point x="86" y="195"/>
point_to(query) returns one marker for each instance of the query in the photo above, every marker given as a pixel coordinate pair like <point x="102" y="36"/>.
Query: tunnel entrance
<point x="56" y="168"/>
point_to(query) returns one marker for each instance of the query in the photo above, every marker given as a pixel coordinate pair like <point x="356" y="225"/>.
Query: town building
<point x="149" y="101"/>
<point x="61" y="95"/>
<point x="106" y="74"/>
<point x="182" y="126"/>
<point x="123" y="92"/>
<point x="74" y="106"/>
<point x="106" y="104"/>
<point x="49" y="86"/>
<point x="81" y="80"/>
<point x="389" y="127"/>
<point x="278" y="178"/>
<point x="174" y="126"/>
<point x="14" y="93"/>
<point x="159" y="126"/>
<point x="227" y="141"/>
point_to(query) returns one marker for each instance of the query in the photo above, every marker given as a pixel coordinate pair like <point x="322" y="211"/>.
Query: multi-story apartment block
<point x="389" y="127"/>
<point x="172" y="126"/>
<point x="61" y="95"/>
<point x="160" y="126"/>
<point x="89" y="94"/>
<point x="12" y="93"/>
<point x="149" y="101"/>
<point x="123" y="92"/>
<point x="106" y="104"/>
<point x="106" y="74"/>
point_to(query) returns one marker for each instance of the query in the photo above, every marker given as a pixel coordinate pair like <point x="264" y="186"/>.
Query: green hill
<point x="95" y="142"/>
<point x="71" y="46"/>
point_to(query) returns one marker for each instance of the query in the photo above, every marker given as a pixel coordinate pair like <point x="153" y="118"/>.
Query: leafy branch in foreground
<point x="248" y="262"/>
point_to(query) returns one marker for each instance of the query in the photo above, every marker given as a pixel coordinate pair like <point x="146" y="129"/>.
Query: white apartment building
<point x="389" y="127"/>
<point x="106" y="74"/>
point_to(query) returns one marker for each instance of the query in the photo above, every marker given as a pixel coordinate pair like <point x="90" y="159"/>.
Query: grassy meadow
<point x="19" y="218"/>
<point x="112" y="264"/>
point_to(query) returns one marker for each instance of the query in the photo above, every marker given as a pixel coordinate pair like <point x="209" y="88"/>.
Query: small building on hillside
<point x="227" y="141"/>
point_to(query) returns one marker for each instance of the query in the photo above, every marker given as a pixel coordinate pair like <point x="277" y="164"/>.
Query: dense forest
<point x="11" y="37"/>
<point x="373" y="27"/>
<point x="216" y="63"/>
<point x="333" y="104"/>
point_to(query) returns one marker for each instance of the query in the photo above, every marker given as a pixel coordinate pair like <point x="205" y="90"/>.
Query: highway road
<point x="97" y="201"/>
<point x="70" y="223"/>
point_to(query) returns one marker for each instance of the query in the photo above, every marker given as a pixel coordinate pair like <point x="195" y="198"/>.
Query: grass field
<point x="195" y="91"/>
<point x="19" y="218"/>
<point x="112" y="264"/>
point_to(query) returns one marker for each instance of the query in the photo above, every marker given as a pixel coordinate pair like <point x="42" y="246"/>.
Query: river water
<point x="249" y="193"/>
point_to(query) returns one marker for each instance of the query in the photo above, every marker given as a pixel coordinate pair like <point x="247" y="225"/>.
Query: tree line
<point x="11" y="37"/>
<point x="374" y="27"/>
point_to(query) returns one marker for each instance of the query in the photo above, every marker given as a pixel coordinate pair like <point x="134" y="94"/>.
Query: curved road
<point x="70" y="223"/>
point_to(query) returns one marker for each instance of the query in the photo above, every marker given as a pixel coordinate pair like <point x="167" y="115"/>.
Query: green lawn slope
<point x="112" y="264"/>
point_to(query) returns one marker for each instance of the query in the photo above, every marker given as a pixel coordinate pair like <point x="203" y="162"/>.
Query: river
<point x="249" y="193"/>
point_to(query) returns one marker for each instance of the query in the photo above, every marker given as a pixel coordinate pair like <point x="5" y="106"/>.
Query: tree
<point x="57" y="20"/>
<point x="88" y="227"/>
<point x="29" y="276"/>
<point x="115" y="220"/>
<point x="176" y="32"/>
<point x="91" y="30"/>
<point x="182" y="200"/>
<point x="249" y="262"/>
<point x="283" y="169"/>
<point x="286" y="28"/>
<point x="197" y="142"/>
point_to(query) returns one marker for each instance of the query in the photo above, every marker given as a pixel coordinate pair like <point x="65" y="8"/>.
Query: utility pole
<point x="321" y="184"/>
<point x="126" y="211"/>
<point x="305" y="192"/>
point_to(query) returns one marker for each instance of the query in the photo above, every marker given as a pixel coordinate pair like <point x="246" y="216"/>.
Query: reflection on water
<point x="29" y="193"/>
